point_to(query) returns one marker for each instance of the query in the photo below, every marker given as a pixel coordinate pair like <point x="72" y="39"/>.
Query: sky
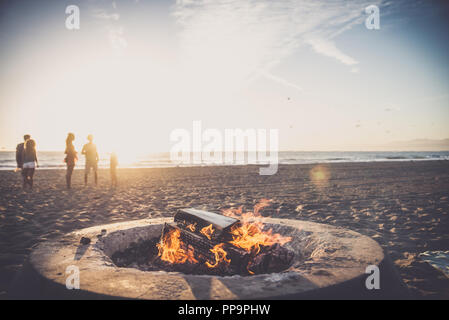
<point x="137" y="70"/>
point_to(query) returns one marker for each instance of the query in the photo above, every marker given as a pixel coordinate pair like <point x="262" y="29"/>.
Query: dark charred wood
<point x="274" y="258"/>
<point x="202" y="246"/>
<point x="200" y="219"/>
<point x="271" y="259"/>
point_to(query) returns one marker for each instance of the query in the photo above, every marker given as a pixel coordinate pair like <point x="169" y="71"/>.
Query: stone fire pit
<point x="328" y="262"/>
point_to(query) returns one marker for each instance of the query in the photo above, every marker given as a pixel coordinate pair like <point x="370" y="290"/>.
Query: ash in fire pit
<point x="201" y="242"/>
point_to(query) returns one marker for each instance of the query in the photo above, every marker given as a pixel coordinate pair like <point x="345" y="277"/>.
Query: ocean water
<point x="54" y="160"/>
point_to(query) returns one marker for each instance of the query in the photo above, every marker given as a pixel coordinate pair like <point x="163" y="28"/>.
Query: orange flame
<point x="250" y="234"/>
<point x="207" y="231"/>
<point x="238" y="213"/>
<point x="170" y="249"/>
<point x="232" y="212"/>
<point x="260" y="205"/>
<point x="191" y="227"/>
<point x="220" y="256"/>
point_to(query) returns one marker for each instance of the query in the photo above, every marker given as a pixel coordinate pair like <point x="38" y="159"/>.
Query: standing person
<point x="113" y="168"/>
<point x="29" y="163"/>
<point x="90" y="151"/>
<point x="70" y="159"/>
<point x="19" y="152"/>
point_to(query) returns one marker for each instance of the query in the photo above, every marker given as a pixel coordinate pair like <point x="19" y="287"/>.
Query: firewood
<point x="204" y="246"/>
<point x="199" y="219"/>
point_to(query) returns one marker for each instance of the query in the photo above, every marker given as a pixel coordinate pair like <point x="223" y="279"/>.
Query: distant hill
<point x="419" y="145"/>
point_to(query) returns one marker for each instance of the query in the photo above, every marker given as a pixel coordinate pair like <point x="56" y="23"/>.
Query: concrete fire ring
<point x="330" y="262"/>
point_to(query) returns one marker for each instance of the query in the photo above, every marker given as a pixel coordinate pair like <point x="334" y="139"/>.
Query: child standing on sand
<point x="113" y="168"/>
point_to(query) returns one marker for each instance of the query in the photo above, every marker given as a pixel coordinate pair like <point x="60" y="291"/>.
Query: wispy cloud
<point x="248" y="37"/>
<point x="104" y="15"/>
<point x="328" y="48"/>
<point x="105" y="12"/>
<point x="281" y="81"/>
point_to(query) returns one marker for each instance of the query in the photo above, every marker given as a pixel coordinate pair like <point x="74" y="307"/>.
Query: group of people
<point x="26" y="158"/>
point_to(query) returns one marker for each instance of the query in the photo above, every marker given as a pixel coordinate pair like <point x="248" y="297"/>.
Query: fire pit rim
<point x="99" y="275"/>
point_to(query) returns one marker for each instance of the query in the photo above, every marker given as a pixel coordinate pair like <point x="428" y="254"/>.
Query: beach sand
<point x="402" y="205"/>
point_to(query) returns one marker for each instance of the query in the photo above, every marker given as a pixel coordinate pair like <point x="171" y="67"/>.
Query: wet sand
<point x="402" y="205"/>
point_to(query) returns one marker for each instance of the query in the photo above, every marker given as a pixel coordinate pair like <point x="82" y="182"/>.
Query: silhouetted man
<point x="19" y="151"/>
<point x="90" y="151"/>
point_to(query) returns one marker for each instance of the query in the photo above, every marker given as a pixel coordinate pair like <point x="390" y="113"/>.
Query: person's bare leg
<point x="24" y="176"/>
<point x="69" y="176"/>
<point x="31" y="176"/>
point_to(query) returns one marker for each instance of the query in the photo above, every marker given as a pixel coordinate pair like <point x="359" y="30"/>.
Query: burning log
<point x="211" y="225"/>
<point x="199" y="239"/>
<point x="201" y="246"/>
<point x="204" y="250"/>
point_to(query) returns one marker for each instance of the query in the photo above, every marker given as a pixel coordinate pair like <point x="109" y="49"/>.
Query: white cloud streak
<point x="328" y="48"/>
<point x="241" y="39"/>
<point x="281" y="81"/>
<point x="111" y="24"/>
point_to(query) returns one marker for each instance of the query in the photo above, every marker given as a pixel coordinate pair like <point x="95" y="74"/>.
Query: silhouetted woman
<point x="70" y="158"/>
<point x="29" y="163"/>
